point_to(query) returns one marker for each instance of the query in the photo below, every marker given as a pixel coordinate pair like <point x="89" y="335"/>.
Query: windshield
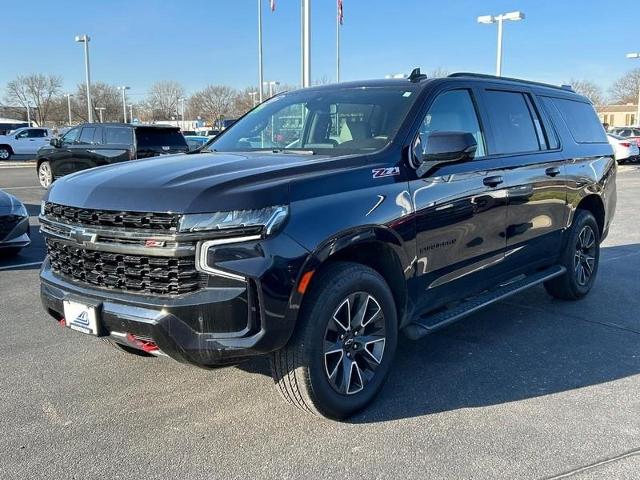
<point x="328" y="121"/>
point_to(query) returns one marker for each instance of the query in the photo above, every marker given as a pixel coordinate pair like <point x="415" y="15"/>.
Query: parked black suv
<point x="327" y="220"/>
<point x="95" y="144"/>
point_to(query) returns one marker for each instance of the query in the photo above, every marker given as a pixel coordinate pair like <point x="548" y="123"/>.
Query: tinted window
<point x="159" y="137"/>
<point x="512" y="122"/>
<point x="86" y="137"/>
<point x="71" y="136"/>
<point x="453" y="111"/>
<point x="36" y="133"/>
<point x="581" y="119"/>
<point x="97" y="137"/>
<point x="118" y="136"/>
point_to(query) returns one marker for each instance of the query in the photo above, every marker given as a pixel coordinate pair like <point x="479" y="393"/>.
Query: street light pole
<point x="85" y="39"/>
<point x="253" y="97"/>
<point x="131" y="113"/>
<point x="100" y="110"/>
<point x="499" y="19"/>
<point x="637" y="119"/>
<point x="260" y="71"/>
<point x="28" y="115"/>
<point x="306" y="43"/>
<point x="69" y="95"/>
<point x="124" y="101"/>
<point x="182" y="113"/>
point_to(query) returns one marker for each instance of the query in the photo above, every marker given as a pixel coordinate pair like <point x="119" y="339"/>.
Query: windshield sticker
<point x="406" y="94"/>
<point x="385" y="172"/>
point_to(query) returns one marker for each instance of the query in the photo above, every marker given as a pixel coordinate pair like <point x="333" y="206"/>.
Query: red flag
<point x="272" y="4"/>
<point x="340" y="12"/>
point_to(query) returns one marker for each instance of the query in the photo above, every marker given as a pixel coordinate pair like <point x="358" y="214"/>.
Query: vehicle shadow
<point x="528" y="346"/>
<point x="29" y="257"/>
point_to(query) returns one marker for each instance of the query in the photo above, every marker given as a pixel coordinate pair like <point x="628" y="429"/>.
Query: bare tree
<point x="102" y="96"/>
<point x="37" y="91"/>
<point x="438" y="73"/>
<point x="625" y="89"/>
<point x="589" y="89"/>
<point x="163" y="98"/>
<point x="213" y="102"/>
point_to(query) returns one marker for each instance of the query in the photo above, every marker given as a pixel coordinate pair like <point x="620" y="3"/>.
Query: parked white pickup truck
<point x="23" y="141"/>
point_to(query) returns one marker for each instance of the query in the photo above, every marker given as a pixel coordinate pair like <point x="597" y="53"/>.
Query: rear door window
<point x="156" y="138"/>
<point x="118" y="136"/>
<point x="581" y="120"/>
<point x="516" y="129"/>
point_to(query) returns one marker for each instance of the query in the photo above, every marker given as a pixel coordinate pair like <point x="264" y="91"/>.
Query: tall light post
<point x="182" y="99"/>
<point x="130" y="113"/>
<point x="28" y="115"/>
<point x="637" y="119"/>
<point x="253" y="97"/>
<point x="100" y="110"/>
<point x="499" y="19"/>
<point x="124" y="101"/>
<point x="306" y="43"/>
<point x="69" y="95"/>
<point x="260" y="70"/>
<point x="271" y="84"/>
<point x="85" y="39"/>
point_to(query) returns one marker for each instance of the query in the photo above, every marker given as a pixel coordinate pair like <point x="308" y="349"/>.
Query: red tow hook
<point x="62" y="322"/>
<point x="144" y="345"/>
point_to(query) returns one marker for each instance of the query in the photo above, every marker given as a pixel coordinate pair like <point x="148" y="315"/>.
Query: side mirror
<point x="55" y="142"/>
<point x="442" y="147"/>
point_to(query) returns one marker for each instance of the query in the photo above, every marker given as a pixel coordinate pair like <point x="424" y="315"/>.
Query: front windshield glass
<point x="329" y="121"/>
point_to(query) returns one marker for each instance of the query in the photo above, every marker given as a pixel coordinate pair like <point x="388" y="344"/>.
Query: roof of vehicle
<point x="419" y="81"/>
<point x="130" y="125"/>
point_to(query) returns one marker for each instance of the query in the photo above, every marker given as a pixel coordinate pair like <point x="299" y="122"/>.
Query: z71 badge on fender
<point x="385" y="172"/>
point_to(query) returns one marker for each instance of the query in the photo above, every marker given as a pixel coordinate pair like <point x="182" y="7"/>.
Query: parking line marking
<point x="8" y="267"/>
<point x="605" y="461"/>
<point x="20" y="188"/>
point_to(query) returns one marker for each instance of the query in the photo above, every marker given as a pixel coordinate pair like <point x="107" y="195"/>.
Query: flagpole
<point x="338" y="41"/>
<point x="260" y="71"/>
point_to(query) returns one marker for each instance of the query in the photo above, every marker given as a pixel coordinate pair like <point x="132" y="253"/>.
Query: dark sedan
<point x="14" y="225"/>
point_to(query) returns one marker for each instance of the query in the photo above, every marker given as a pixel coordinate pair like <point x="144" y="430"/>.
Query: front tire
<point x="342" y="349"/>
<point x="45" y="174"/>
<point x="581" y="256"/>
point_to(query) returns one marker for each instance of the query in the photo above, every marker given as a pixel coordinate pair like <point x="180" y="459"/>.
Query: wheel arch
<point x="594" y="204"/>
<point x="8" y="146"/>
<point x="377" y="247"/>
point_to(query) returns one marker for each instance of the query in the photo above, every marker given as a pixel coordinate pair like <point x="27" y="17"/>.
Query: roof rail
<point x="510" y="79"/>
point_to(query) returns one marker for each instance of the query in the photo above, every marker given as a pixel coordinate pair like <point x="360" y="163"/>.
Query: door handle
<point x="493" y="181"/>
<point x="552" y="171"/>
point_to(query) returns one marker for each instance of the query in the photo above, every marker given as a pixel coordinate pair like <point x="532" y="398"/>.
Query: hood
<point x="196" y="183"/>
<point x="7" y="202"/>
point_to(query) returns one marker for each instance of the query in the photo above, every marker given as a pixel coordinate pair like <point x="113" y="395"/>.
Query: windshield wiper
<point x="294" y="151"/>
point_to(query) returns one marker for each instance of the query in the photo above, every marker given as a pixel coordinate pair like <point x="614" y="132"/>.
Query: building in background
<point x="618" y="115"/>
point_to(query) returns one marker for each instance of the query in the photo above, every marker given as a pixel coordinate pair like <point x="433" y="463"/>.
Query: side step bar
<point x="426" y="325"/>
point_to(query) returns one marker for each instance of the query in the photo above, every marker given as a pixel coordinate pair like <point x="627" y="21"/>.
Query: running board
<point x="426" y="325"/>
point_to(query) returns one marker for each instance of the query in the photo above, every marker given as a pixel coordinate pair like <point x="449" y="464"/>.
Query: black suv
<point x="329" y="219"/>
<point x="95" y="144"/>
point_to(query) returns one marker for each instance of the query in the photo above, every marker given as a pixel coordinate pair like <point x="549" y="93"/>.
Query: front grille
<point x="8" y="223"/>
<point x="167" y="222"/>
<point x="134" y="273"/>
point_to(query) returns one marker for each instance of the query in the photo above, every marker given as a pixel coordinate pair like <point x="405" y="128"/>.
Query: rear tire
<point x="580" y="257"/>
<point x="344" y="343"/>
<point x="5" y="152"/>
<point x="45" y="174"/>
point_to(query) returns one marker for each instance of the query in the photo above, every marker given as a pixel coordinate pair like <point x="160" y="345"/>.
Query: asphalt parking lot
<point x="529" y="388"/>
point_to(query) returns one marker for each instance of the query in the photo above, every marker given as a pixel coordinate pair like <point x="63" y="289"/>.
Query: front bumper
<point x="222" y="324"/>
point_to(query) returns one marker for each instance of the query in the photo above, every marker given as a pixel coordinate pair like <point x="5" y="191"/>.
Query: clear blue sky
<point x="200" y="42"/>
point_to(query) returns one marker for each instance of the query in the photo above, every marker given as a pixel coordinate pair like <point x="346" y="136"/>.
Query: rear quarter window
<point x="580" y="118"/>
<point x="159" y="137"/>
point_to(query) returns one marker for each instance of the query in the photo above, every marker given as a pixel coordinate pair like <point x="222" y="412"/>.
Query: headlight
<point x="265" y="220"/>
